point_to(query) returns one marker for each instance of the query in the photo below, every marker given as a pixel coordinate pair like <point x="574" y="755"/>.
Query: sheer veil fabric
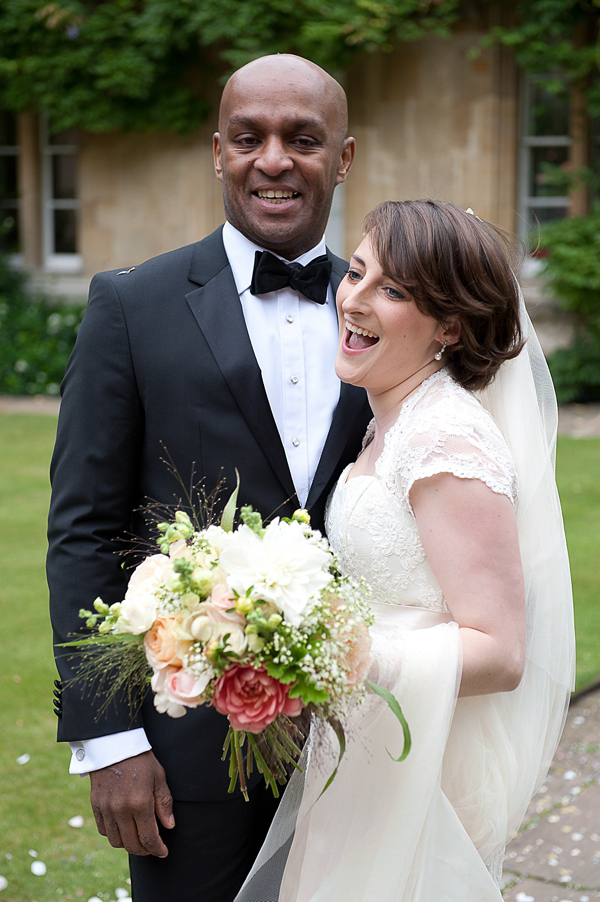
<point x="435" y="826"/>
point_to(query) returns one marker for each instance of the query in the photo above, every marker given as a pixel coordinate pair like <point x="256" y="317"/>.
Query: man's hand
<point x="127" y="798"/>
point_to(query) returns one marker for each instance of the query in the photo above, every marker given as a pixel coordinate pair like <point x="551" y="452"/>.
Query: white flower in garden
<point x="139" y="607"/>
<point x="281" y="567"/>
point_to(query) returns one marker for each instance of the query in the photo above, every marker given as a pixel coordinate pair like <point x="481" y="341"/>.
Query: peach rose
<point x="354" y="648"/>
<point x="224" y="601"/>
<point x="252" y="699"/>
<point x="356" y="658"/>
<point x="176" y="689"/>
<point x="163" y="645"/>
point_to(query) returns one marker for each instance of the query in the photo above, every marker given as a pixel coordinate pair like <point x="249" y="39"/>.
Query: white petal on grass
<point x="3" y="883"/>
<point x="121" y="893"/>
<point x="76" y="821"/>
<point x="38" y="868"/>
<point x="33" y="853"/>
<point x="94" y="899"/>
<point x="23" y="759"/>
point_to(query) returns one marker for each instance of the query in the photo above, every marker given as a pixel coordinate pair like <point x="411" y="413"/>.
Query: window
<point x="9" y="189"/>
<point x="544" y="139"/>
<point x="60" y="202"/>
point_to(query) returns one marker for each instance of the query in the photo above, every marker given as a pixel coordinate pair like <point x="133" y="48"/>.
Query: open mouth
<point x="357" y="339"/>
<point x="276" y="195"/>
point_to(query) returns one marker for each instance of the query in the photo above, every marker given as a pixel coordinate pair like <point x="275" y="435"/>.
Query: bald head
<point x="284" y="74"/>
<point x="280" y="151"/>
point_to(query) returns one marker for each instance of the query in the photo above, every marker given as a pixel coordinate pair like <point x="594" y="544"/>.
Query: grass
<point x="39" y="797"/>
<point x="578" y="469"/>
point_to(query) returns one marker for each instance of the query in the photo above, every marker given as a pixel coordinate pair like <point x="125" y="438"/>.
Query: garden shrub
<point x="37" y="335"/>
<point x="573" y="272"/>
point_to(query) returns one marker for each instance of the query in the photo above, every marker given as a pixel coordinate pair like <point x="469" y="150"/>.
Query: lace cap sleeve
<point x="444" y="429"/>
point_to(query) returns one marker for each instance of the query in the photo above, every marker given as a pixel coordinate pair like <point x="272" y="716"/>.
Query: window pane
<point x="8" y="129"/>
<point x="9" y="231"/>
<point x="548" y="113"/>
<point x="539" y="186"/>
<point x="541" y="216"/>
<point x="64" y="177"/>
<point x="8" y="178"/>
<point x="65" y="232"/>
<point x="66" y="137"/>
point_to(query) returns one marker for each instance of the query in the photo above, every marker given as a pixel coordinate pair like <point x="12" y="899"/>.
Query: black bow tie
<point x="271" y="273"/>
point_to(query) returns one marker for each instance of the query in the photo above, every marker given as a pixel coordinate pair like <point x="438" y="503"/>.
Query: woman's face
<point x="384" y="337"/>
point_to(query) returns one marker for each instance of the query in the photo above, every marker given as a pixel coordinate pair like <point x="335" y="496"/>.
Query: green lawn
<point x="578" y="469"/>
<point x="39" y="797"/>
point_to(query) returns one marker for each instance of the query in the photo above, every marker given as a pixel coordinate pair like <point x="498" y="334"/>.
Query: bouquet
<point x="256" y="621"/>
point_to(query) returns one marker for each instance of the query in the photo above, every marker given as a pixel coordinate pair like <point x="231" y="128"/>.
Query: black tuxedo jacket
<point x="163" y="365"/>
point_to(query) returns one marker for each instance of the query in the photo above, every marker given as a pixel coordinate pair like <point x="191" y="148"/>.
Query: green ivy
<point x="141" y="64"/>
<point x="36" y="337"/>
<point x="573" y="271"/>
<point x="557" y="41"/>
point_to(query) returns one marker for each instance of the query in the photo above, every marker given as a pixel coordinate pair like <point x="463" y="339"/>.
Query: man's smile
<point x="275" y="195"/>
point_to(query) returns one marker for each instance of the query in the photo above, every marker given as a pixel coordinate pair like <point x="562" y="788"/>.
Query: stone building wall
<point x="428" y="122"/>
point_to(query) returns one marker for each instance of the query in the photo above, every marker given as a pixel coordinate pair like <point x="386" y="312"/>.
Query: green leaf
<point x="394" y="706"/>
<point x="230" y="508"/>
<point x="338" y="729"/>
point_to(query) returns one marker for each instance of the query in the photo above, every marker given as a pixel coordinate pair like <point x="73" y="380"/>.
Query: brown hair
<point x="454" y="266"/>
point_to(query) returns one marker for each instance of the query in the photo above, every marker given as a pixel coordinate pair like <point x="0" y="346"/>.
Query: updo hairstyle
<point x="454" y="266"/>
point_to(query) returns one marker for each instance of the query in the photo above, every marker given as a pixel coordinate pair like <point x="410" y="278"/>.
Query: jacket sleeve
<point x="94" y="473"/>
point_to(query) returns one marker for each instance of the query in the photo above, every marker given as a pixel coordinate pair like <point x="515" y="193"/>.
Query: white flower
<point x="139" y="607"/>
<point x="282" y="567"/>
<point x="217" y="537"/>
<point x="209" y="623"/>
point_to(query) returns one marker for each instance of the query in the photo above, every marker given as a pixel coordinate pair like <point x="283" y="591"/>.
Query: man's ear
<point x="217" y="155"/>
<point x="346" y="160"/>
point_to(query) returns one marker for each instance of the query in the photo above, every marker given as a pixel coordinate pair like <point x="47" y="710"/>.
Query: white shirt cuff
<point x="93" y="754"/>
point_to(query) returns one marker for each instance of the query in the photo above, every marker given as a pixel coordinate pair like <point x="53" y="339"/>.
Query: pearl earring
<point x="438" y="356"/>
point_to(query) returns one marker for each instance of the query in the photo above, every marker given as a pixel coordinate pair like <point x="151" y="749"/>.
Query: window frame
<point x="527" y="204"/>
<point x="54" y="261"/>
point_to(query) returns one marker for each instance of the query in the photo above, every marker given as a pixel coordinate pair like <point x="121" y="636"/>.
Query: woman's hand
<point x="469" y="534"/>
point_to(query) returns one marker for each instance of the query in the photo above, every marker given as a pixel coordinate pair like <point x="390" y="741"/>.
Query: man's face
<point x="280" y="153"/>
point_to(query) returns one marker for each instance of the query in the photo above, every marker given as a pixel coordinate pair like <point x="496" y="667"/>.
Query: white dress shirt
<point x="295" y="342"/>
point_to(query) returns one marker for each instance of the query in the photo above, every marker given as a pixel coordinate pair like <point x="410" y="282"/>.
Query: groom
<point x="201" y="356"/>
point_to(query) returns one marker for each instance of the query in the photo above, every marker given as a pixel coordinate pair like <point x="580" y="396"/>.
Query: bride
<point x="451" y="516"/>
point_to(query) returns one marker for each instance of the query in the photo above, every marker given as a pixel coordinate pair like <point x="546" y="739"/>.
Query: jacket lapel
<point x="218" y="312"/>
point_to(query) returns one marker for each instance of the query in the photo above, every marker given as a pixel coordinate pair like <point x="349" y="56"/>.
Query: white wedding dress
<point x="431" y="828"/>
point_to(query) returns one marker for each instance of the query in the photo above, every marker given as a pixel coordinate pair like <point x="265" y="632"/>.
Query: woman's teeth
<point x="352" y="328"/>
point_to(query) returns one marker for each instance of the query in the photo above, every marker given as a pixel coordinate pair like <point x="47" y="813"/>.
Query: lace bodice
<point x="441" y="428"/>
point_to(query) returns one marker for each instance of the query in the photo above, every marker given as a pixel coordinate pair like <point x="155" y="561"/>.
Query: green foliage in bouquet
<point x="36" y="337"/>
<point x="255" y="620"/>
<point x="573" y="272"/>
